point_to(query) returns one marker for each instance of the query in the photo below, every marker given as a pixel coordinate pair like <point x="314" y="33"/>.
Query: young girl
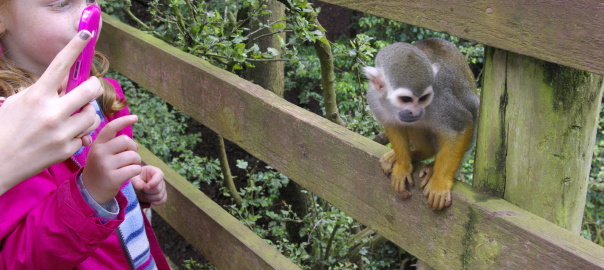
<point x="82" y="213"/>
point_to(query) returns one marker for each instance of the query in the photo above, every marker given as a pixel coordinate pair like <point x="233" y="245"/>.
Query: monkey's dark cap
<point x="404" y="65"/>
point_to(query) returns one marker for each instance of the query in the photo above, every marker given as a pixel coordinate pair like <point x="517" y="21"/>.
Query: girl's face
<point x="34" y="31"/>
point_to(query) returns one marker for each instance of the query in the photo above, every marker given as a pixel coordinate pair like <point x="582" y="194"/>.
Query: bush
<point x="163" y="130"/>
<point x="593" y="221"/>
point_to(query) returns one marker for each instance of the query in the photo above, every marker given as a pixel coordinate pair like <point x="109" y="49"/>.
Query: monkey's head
<point x="400" y="85"/>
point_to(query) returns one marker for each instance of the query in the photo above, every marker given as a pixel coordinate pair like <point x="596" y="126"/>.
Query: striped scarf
<point x="132" y="233"/>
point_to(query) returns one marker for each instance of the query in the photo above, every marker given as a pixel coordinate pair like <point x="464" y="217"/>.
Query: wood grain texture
<point x="476" y="232"/>
<point x="491" y="144"/>
<point x="569" y="33"/>
<point x="220" y="237"/>
<point x="537" y="131"/>
<point x="551" y="120"/>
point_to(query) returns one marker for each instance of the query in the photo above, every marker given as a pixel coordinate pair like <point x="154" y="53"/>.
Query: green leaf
<point x="242" y="164"/>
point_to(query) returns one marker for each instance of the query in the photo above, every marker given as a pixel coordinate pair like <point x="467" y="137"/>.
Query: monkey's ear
<point x="376" y="78"/>
<point x="435" y="68"/>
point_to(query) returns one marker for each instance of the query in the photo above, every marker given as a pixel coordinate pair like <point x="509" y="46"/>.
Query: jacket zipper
<point x="126" y="251"/>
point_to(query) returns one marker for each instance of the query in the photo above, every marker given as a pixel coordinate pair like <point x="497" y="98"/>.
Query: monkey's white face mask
<point x="396" y="106"/>
<point x="410" y="107"/>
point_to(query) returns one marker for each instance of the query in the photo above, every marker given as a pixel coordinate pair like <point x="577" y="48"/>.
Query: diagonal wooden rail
<point x="477" y="232"/>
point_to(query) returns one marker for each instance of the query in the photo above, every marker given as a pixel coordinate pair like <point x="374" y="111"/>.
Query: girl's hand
<point x="38" y="127"/>
<point x="111" y="161"/>
<point x="151" y="185"/>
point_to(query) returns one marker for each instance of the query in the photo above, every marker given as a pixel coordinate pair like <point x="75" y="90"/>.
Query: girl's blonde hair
<point x="14" y="79"/>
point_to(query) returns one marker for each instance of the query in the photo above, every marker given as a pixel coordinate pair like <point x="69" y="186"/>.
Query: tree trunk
<point x="332" y="112"/>
<point x="226" y="171"/>
<point x="323" y="50"/>
<point x="269" y="74"/>
<point x="536" y="135"/>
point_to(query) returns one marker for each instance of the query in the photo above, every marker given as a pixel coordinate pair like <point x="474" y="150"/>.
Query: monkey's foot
<point x="438" y="191"/>
<point x="400" y="177"/>
<point x="386" y="162"/>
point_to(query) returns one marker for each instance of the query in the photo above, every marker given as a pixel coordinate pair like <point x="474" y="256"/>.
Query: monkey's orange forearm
<point x="450" y="156"/>
<point x="400" y="143"/>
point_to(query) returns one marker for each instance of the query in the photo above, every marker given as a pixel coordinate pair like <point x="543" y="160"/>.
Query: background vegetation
<point x="219" y="31"/>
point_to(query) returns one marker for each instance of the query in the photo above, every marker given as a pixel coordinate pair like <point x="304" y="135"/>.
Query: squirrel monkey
<point x="425" y="97"/>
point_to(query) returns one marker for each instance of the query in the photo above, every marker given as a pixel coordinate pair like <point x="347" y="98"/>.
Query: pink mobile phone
<point x="80" y="71"/>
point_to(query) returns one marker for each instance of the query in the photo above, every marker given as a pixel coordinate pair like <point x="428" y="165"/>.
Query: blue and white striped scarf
<point x="132" y="232"/>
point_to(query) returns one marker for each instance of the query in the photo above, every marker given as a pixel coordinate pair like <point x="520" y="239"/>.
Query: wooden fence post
<point x="537" y="129"/>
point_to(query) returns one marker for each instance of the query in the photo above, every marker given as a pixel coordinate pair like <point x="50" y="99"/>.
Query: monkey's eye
<point x="424" y="97"/>
<point x="406" y="99"/>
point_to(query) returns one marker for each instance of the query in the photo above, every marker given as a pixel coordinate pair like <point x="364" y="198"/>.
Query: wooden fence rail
<point x="221" y="238"/>
<point x="568" y="33"/>
<point x="477" y="232"/>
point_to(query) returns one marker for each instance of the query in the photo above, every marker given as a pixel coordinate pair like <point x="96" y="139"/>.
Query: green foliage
<point x="114" y="7"/>
<point x="393" y="31"/>
<point x="210" y="34"/>
<point x="163" y="130"/>
<point x="593" y="220"/>
<point x="261" y="210"/>
<point x="194" y="265"/>
<point x="329" y="227"/>
<point x="467" y="168"/>
<point x="220" y="32"/>
<point x="349" y="57"/>
<point x="329" y="231"/>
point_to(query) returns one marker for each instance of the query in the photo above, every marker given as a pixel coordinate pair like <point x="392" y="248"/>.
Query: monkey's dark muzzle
<point x="408" y="116"/>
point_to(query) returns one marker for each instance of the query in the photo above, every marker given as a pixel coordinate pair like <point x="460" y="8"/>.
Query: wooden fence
<point x="476" y="232"/>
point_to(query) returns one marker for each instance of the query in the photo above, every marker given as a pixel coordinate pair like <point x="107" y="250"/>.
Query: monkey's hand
<point x="425" y="172"/>
<point x="399" y="172"/>
<point x="436" y="188"/>
<point x="400" y="177"/>
<point x="386" y="162"/>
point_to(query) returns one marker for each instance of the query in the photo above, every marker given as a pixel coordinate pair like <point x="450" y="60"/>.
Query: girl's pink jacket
<point x="46" y="224"/>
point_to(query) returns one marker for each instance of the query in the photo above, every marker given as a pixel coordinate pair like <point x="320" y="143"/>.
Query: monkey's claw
<point x="399" y="185"/>
<point x="387" y="161"/>
<point x="438" y="192"/>
<point x="400" y="177"/>
<point x="425" y="172"/>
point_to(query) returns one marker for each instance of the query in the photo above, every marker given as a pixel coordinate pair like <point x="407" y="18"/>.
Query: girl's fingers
<point x="82" y="123"/>
<point x="59" y="67"/>
<point x="73" y="145"/>
<point x="138" y="183"/>
<point x="155" y="190"/>
<point x="113" y="127"/>
<point x="120" y="144"/>
<point x="157" y="199"/>
<point x="129" y="172"/>
<point x="86" y="140"/>
<point x="81" y="95"/>
<point x="126" y="158"/>
<point x="157" y="177"/>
